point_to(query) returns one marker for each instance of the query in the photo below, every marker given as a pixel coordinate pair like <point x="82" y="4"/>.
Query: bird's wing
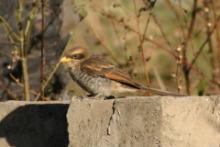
<point x="98" y="66"/>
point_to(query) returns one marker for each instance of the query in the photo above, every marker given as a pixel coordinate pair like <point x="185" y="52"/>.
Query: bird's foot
<point x="96" y="97"/>
<point x="100" y="97"/>
<point x="109" y="97"/>
<point x="78" y="97"/>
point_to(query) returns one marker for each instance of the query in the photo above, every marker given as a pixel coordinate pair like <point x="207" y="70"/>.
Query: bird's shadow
<point x="33" y="125"/>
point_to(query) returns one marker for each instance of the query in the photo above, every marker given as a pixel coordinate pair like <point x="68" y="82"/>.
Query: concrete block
<point x="145" y="122"/>
<point x="33" y="124"/>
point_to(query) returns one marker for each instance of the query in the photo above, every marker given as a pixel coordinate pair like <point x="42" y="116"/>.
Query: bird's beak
<point x="65" y="60"/>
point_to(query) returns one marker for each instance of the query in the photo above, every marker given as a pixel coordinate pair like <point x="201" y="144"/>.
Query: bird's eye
<point x="77" y="56"/>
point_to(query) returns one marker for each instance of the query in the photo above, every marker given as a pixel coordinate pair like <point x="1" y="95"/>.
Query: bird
<point x="100" y="78"/>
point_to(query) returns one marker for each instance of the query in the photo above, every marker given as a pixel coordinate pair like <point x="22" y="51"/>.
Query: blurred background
<point x="171" y="45"/>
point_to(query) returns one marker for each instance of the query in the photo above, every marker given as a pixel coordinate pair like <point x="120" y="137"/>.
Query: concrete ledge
<point x="128" y="122"/>
<point x="145" y="122"/>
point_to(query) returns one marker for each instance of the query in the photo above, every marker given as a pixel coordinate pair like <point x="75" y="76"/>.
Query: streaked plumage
<point x="99" y="77"/>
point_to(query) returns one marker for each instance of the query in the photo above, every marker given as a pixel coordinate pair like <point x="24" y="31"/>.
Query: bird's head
<point x="73" y="57"/>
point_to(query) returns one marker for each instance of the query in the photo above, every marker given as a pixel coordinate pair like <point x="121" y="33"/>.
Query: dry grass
<point x="173" y="45"/>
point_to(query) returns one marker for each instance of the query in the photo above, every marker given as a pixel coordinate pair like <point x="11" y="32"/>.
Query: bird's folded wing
<point x="98" y="66"/>
<point x="121" y="76"/>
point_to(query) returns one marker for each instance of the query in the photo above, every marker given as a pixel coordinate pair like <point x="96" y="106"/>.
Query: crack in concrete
<point x="216" y="102"/>
<point x="111" y="117"/>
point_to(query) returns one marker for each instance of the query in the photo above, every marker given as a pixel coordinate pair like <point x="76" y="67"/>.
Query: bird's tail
<point x="160" y="92"/>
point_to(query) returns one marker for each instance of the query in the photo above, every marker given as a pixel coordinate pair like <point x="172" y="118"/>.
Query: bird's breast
<point x="92" y="84"/>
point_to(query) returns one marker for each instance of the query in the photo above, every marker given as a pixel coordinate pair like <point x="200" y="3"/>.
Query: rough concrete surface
<point x="33" y="124"/>
<point x="145" y="122"/>
<point x="127" y="122"/>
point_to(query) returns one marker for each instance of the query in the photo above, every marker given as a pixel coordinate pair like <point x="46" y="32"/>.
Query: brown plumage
<point x="99" y="77"/>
